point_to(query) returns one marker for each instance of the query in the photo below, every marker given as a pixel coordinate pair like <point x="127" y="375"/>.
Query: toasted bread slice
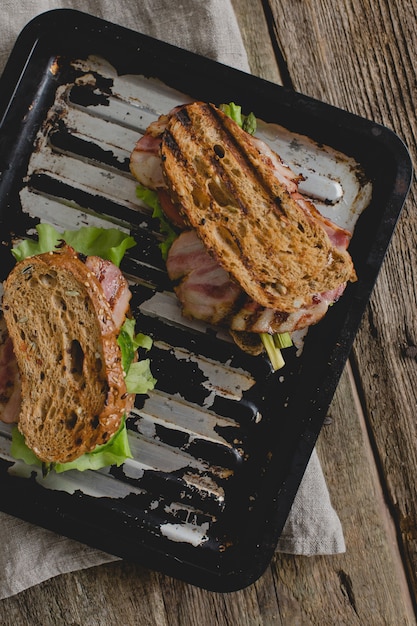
<point x="278" y="252"/>
<point x="64" y="338"/>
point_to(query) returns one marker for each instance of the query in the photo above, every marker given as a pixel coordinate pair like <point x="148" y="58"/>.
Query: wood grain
<point x="362" y="58"/>
<point x="366" y="585"/>
<point x="255" y="32"/>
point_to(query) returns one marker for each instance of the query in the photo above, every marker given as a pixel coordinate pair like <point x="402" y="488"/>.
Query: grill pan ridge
<point x="221" y="444"/>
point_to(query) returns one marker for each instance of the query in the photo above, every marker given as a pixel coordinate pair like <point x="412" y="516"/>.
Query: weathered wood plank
<point x="365" y="585"/>
<point x="325" y="52"/>
<point x="257" y="40"/>
<point x="362" y="58"/>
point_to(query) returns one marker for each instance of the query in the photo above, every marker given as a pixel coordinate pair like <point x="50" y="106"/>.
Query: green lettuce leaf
<point x="129" y="343"/>
<point x="114" y="452"/>
<point x="19" y="449"/>
<point x="234" y="111"/>
<point x="108" y="243"/>
<point x="139" y="378"/>
<point x="138" y="373"/>
<point x="150" y="198"/>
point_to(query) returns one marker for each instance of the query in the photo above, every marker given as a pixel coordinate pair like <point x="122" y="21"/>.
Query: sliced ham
<point x="114" y="284"/>
<point x="340" y="237"/>
<point x="337" y="235"/>
<point x="145" y="163"/>
<point x="283" y="173"/>
<point x="9" y="378"/>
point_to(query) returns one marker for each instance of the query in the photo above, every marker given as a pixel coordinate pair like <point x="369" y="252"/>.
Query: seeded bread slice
<point x="278" y="253"/>
<point x="64" y="338"/>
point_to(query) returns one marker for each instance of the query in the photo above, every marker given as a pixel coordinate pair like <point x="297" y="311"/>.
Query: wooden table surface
<point x="360" y="55"/>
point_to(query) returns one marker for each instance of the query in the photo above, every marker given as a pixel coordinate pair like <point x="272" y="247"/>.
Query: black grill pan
<point x="221" y="446"/>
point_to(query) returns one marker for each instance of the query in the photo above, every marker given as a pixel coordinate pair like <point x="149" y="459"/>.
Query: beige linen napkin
<point x="30" y="554"/>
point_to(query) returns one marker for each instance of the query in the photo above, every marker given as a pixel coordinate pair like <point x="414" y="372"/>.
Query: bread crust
<point x="278" y="253"/>
<point x="73" y="389"/>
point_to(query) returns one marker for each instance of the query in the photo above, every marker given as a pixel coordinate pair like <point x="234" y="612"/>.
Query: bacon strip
<point x="207" y="293"/>
<point x="205" y="289"/>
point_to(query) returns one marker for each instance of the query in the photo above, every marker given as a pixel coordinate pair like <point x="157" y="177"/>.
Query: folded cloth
<point x="207" y="27"/>
<point x="313" y="526"/>
<point x="30" y="554"/>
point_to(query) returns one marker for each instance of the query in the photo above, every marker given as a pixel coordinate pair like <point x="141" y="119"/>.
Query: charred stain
<point x="92" y="93"/>
<point x="65" y="141"/>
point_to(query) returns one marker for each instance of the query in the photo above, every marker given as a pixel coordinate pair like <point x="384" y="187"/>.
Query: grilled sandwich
<point x="277" y="251"/>
<point x="252" y="253"/>
<point x="63" y="314"/>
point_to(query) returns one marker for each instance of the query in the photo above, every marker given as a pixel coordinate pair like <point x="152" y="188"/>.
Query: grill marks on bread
<point x="276" y="251"/>
<point x="73" y="390"/>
